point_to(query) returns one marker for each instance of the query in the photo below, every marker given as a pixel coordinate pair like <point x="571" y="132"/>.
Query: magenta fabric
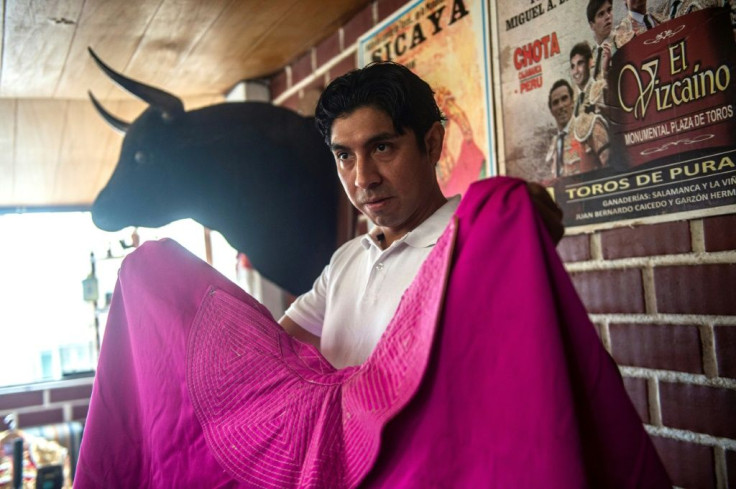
<point x="197" y="386"/>
<point x="519" y="392"/>
<point x="500" y="382"/>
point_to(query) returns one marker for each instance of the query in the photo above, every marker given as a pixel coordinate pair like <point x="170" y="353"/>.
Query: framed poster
<point x="446" y="43"/>
<point x="624" y="110"/>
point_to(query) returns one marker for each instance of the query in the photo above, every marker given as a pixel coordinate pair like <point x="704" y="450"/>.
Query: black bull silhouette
<point x="259" y="174"/>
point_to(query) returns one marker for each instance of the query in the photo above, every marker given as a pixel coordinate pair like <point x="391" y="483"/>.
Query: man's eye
<point x="382" y="147"/>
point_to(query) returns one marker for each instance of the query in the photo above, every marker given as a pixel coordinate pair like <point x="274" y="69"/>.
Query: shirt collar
<point x="597" y="45"/>
<point x="637" y="16"/>
<point x="371" y="239"/>
<point x="427" y="233"/>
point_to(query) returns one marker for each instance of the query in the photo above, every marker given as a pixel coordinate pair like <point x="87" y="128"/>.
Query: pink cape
<point x="499" y="381"/>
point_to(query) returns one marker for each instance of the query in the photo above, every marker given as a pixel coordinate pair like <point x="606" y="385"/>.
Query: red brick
<point x="278" y="84"/>
<point x="309" y="97"/>
<point x="574" y="248"/>
<point x="661" y="346"/>
<point x="658" y="239"/>
<point x="697" y="289"/>
<point x="598" y="329"/>
<point x="328" y="49"/>
<point x="358" y="25"/>
<point x="726" y="351"/>
<point x="719" y="233"/>
<point x="698" y="408"/>
<point x="79" y="413"/>
<point x="71" y="393"/>
<point x="21" y="399"/>
<point x="731" y="468"/>
<point x="637" y="389"/>
<point x="301" y="68"/>
<point x="688" y="465"/>
<point x="291" y="103"/>
<point x="37" y="418"/>
<point x="610" y="291"/>
<point x="388" y="7"/>
<point x="345" y="65"/>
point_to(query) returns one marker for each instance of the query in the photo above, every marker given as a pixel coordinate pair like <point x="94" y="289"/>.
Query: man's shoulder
<point x="623" y="32"/>
<point x="350" y="248"/>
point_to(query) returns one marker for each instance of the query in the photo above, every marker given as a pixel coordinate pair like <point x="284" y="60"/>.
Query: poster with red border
<point x="446" y="43"/>
<point x="624" y="110"/>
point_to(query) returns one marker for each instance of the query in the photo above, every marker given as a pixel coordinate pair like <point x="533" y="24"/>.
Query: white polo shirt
<point x="357" y="294"/>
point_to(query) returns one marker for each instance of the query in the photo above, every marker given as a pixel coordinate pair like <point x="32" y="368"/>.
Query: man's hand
<point x="549" y="211"/>
<point x="605" y="59"/>
<point x="298" y="332"/>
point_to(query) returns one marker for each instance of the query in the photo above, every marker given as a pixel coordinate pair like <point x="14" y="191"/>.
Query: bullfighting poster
<point x="624" y="110"/>
<point x="446" y="43"/>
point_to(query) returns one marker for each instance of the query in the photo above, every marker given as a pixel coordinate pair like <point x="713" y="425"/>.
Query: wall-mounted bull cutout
<point x="259" y="174"/>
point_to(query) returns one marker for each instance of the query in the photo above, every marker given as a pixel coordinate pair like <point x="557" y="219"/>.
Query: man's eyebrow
<point x="381" y="136"/>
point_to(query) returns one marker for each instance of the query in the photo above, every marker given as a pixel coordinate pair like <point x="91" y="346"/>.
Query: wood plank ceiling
<point x="55" y="150"/>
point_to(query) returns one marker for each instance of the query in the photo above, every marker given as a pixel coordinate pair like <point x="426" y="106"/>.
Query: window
<point x="47" y="329"/>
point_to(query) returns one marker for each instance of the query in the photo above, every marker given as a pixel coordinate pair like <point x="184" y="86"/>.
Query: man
<point x="195" y="362"/>
<point x="566" y="155"/>
<point x="580" y="60"/>
<point x="678" y="8"/>
<point x="600" y="20"/>
<point x="385" y="130"/>
<point x="637" y="21"/>
<point x="588" y="125"/>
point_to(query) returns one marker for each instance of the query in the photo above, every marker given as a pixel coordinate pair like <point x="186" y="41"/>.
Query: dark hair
<point x="583" y="49"/>
<point x="559" y="83"/>
<point x="386" y="86"/>
<point x="593" y="7"/>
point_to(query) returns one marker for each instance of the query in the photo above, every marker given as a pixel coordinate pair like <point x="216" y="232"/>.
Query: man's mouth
<point x="376" y="203"/>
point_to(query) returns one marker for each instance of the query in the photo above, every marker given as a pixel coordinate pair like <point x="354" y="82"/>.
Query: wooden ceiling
<point x="54" y="148"/>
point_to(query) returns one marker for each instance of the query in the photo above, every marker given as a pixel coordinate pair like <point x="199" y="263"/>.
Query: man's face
<point x="602" y="22"/>
<point x="579" y="70"/>
<point x="560" y="104"/>
<point x="639" y="6"/>
<point x="385" y="174"/>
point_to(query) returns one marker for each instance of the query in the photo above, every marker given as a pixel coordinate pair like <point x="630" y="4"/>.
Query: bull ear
<point x="167" y="103"/>
<point x="118" y="124"/>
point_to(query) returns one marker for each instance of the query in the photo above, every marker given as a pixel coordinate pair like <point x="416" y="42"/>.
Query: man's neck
<point x="386" y="236"/>
<point x="637" y="15"/>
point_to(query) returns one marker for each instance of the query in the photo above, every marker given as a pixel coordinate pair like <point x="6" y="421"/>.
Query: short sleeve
<point x="308" y="310"/>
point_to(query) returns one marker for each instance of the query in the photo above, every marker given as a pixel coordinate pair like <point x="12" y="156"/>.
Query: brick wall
<point x="46" y="403"/>
<point x="662" y="297"/>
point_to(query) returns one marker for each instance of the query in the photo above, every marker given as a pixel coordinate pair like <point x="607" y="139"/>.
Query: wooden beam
<point x="162" y="57"/>
<point x="39" y="128"/>
<point x="37" y="36"/>
<point x="114" y="30"/>
<point x="7" y="151"/>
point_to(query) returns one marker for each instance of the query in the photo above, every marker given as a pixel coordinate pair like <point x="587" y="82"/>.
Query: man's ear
<point x="433" y="141"/>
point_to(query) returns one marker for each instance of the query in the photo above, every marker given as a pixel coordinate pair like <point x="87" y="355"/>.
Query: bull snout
<point x="104" y="213"/>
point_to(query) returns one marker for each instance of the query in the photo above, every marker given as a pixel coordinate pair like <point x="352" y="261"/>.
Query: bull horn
<point x="118" y="124"/>
<point x="165" y="102"/>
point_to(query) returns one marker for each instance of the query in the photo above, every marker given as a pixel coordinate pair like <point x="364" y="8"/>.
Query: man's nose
<point x="366" y="173"/>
